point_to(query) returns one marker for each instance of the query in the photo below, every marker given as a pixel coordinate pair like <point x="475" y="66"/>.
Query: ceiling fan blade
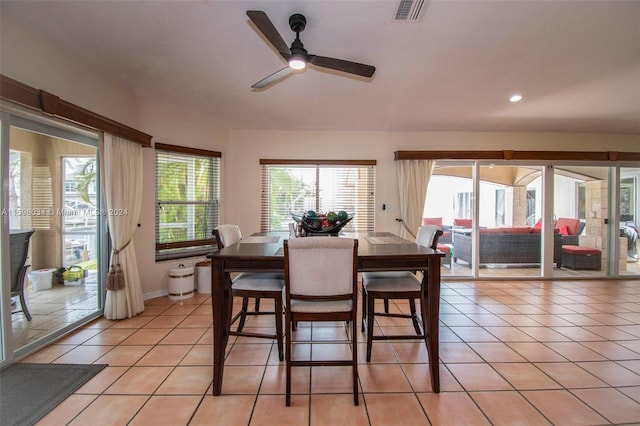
<point x="342" y="65"/>
<point x="264" y="24"/>
<point x="273" y="78"/>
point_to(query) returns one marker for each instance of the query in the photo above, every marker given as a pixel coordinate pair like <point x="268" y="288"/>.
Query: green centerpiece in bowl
<point x="330" y="223"/>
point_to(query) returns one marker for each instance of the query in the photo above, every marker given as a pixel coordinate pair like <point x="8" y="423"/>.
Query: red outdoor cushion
<point x="564" y="230"/>
<point x="443" y="248"/>
<point x="432" y="221"/>
<point x="580" y="250"/>
<point x="571" y="224"/>
<point x="465" y="223"/>
<point x="492" y="230"/>
<point x="506" y="230"/>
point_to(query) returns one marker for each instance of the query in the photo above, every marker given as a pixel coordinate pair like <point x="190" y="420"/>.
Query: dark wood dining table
<point x="377" y="251"/>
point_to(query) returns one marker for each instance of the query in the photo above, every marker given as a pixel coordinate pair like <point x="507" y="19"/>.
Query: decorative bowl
<point x="319" y="225"/>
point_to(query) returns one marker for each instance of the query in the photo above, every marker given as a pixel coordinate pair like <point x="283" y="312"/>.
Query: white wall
<point x="32" y="59"/>
<point x="174" y="126"/>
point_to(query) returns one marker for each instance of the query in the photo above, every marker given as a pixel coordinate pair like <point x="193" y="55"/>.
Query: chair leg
<point x="257" y="307"/>
<point x="243" y="313"/>
<point x="23" y="301"/>
<point x="279" y="338"/>
<point x="364" y="308"/>
<point x="289" y="333"/>
<point x="354" y="362"/>
<point x="386" y="306"/>
<point x="414" y="319"/>
<point x="370" y="308"/>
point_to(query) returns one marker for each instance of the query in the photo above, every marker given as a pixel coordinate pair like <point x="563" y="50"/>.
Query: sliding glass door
<point x="581" y="216"/>
<point x="509" y="212"/>
<point x="521" y="220"/>
<point x="449" y="204"/>
<point x="54" y="197"/>
<point x="629" y="195"/>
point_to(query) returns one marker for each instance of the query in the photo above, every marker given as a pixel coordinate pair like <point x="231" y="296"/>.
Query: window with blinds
<point x="187" y="200"/>
<point x="299" y="185"/>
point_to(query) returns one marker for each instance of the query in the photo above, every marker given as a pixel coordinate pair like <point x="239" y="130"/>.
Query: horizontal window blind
<point x="323" y="186"/>
<point x="187" y="199"/>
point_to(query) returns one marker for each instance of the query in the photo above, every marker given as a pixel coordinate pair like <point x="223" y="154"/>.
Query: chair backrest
<point x="19" y="249"/>
<point x="463" y="223"/>
<point x="428" y="236"/>
<point x="227" y="235"/>
<point x="321" y="266"/>
<point x="432" y="221"/>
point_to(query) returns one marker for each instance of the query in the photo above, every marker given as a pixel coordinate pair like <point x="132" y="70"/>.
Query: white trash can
<point x="181" y="282"/>
<point x="203" y="276"/>
<point x="42" y="279"/>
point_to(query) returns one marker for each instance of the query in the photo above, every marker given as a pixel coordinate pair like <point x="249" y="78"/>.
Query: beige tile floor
<point x="512" y="352"/>
<point x="53" y="309"/>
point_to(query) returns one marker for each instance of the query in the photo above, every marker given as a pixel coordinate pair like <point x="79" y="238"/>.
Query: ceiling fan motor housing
<point x="297" y="22"/>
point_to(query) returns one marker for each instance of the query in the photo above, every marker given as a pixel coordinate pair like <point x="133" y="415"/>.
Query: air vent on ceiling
<point x="410" y="10"/>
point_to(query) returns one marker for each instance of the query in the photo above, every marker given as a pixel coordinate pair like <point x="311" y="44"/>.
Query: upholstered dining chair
<point x="19" y="249"/>
<point x="257" y="285"/>
<point x="392" y="285"/>
<point x="321" y="276"/>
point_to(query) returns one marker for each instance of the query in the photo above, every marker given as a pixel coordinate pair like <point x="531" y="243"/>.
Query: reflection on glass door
<point x="53" y="191"/>
<point x="629" y="190"/>
<point x="79" y="215"/>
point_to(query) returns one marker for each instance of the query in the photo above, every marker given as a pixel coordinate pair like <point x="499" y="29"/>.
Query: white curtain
<point x="413" y="180"/>
<point x="121" y="171"/>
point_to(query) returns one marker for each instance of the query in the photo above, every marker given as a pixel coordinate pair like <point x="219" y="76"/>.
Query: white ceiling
<point x="576" y="62"/>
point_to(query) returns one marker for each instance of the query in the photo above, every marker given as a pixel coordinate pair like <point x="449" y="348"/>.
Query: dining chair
<point x="19" y="249"/>
<point x="393" y="285"/>
<point x="256" y="285"/>
<point x="321" y="275"/>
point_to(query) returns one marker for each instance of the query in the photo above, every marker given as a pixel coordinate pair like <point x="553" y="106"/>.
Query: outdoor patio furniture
<point x="508" y="245"/>
<point x="581" y="257"/>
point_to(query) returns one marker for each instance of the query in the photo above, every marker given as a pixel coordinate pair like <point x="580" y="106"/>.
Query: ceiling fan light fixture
<point x="297" y="62"/>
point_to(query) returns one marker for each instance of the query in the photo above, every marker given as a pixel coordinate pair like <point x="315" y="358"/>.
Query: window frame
<point x="188" y="247"/>
<point x="366" y="222"/>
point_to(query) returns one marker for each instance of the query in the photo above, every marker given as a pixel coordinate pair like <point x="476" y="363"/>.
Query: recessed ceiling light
<point x="515" y="98"/>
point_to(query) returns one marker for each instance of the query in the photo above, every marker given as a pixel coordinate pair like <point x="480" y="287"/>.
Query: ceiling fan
<point x="297" y="56"/>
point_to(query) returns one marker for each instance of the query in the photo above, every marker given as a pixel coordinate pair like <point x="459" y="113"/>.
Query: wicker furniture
<point x="580" y="257"/>
<point x="517" y="245"/>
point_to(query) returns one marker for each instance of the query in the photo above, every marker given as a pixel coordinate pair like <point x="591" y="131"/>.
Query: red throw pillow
<point x="538" y="224"/>
<point x="564" y="230"/>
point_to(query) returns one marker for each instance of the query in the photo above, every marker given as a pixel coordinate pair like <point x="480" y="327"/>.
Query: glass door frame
<point x="16" y="117"/>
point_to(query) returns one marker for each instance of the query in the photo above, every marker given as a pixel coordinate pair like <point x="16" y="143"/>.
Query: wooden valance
<point x="187" y="150"/>
<point x="48" y="103"/>
<point x="519" y="155"/>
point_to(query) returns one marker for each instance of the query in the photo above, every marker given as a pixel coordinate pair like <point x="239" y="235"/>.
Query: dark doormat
<point x="29" y="391"/>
